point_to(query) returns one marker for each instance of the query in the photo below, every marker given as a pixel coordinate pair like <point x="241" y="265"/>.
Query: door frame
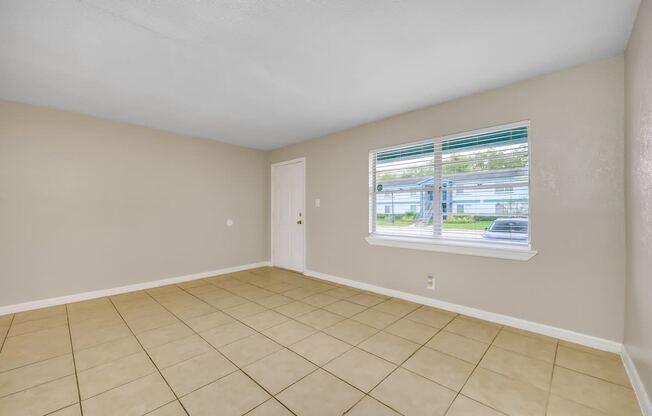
<point x="301" y="160"/>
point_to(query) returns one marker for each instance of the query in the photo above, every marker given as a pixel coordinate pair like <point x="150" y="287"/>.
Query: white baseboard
<point x="551" y="331"/>
<point x="43" y="303"/>
<point x="637" y="384"/>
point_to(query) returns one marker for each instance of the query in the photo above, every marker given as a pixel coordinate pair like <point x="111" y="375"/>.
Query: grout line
<point x="552" y="373"/>
<point x="6" y="335"/>
<point x="298" y="282"/>
<point x="477" y="365"/>
<point x="227" y="358"/>
<point x="74" y="362"/>
<point x="148" y="356"/>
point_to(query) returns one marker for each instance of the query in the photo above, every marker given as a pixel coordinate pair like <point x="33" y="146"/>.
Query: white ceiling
<point x="266" y="73"/>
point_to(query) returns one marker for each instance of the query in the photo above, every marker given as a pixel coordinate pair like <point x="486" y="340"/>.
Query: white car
<point x="512" y="229"/>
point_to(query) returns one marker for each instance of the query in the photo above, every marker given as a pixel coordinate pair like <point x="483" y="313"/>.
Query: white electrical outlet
<point x="430" y="282"/>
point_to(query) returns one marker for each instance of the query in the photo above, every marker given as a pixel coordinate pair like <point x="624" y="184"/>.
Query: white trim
<point x="301" y="160"/>
<point x="501" y="251"/>
<point x="37" y="304"/>
<point x="551" y="331"/>
<point x="644" y="401"/>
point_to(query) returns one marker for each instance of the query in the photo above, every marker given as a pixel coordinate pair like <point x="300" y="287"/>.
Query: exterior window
<point x="472" y="186"/>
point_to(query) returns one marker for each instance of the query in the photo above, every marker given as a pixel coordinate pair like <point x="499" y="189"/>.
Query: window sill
<point x="501" y="251"/>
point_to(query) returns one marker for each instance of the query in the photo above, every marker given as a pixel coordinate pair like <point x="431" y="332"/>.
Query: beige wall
<point x="87" y="204"/>
<point x="638" y="190"/>
<point x="576" y="281"/>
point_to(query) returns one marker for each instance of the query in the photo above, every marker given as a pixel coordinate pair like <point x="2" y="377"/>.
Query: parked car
<point x="512" y="229"/>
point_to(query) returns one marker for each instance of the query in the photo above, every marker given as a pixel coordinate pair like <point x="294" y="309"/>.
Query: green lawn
<point x="400" y="221"/>
<point x="476" y="225"/>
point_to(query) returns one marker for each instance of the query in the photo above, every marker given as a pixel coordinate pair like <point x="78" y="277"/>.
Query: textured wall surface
<point x="638" y="185"/>
<point x="577" y="203"/>
<point x="88" y="204"/>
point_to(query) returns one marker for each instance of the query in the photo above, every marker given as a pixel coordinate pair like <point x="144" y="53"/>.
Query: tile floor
<point x="273" y="342"/>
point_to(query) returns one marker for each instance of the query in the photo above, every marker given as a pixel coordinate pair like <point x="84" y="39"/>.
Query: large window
<point x="469" y="187"/>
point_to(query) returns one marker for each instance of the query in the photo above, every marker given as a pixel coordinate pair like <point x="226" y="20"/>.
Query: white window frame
<point x="508" y="251"/>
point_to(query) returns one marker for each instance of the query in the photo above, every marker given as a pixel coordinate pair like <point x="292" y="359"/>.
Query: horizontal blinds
<point x="466" y="187"/>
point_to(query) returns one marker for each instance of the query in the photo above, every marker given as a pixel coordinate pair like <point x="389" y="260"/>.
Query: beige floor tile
<point x="350" y="331"/>
<point x="436" y="318"/>
<point x="6" y="320"/>
<point x="300" y="293"/>
<point x="37" y="325"/>
<point x="366" y="299"/>
<point x="105" y="353"/>
<point x="42" y="399"/>
<point x="529" y="370"/>
<point x="196" y="372"/>
<point x="411" y="394"/>
<point x="308" y="396"/>
<point x="590" y="350"/>
<point x="191" y="283"/>
<point x="320" y="319"/>
<point x="396" y="307"/>
<point x="279" y="370"/>
<point x="558" y="406"/>
<point x="463" y="406"/>
<point x="444" y="369"/>
<point x="28" y="376"/>
<point x="198" y="308"/>
<point x="34" y="346"/>
<point x="507" y="395"/>
<point x="320" y="348"/>
<point x="250" y="349"/>
<point x="204" y="288"/>
<point x="99" y="379"/>
<point x="225" y="302"/>
<point x="208" y="321"/>
<point x="595" y="393"/>
<point x="233" y="395"/>
<point x="264" y="320"/>
<point x="289" y="332"/>
<point x="473" y="328"/>
<point x="94" y="320"/>
<point x="274" y="301"/>
<point x="86" y="337"/>
<point x="170" y="409"/>
<point x="152" y="322"/>
<point x="374" y="318"/>
<point x="360" y="369"/>
<point x="226" y="334"/>
<point x="534" y="347"/>
<point x="177" y="351"/>
<point x="135" y="398"/>
<point x="270" y="408"/>
<point x="342" y="292"/>
<point x="320" y="300"/>
<point x="594" y="365"/>
<point x="411" y="330"/>
<point x="370" y="407"/>
<point x="458" y="346"/>
<point x="73" y="410"/>
<point x="163" y="335"/>
<point x="390" y="347"/>
<point x="295" y="309"/>
<point x="345" y="308"/>
<point x="20" y="317"/>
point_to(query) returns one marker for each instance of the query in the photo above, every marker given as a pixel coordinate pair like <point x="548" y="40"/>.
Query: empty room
<point x="325" y="207"/>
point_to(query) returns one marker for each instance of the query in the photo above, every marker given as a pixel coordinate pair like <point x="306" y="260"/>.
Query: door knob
<point x="299" y="222"/>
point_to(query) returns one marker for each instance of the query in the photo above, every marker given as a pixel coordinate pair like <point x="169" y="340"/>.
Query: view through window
<point x="467" y="187"/>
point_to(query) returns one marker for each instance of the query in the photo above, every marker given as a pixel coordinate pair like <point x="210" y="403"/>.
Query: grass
<point x="405" y="222"/>
<point x="476" y="225"/>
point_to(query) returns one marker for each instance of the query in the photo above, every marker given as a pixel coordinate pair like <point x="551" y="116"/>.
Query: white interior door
<point x="288" y="215"/>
